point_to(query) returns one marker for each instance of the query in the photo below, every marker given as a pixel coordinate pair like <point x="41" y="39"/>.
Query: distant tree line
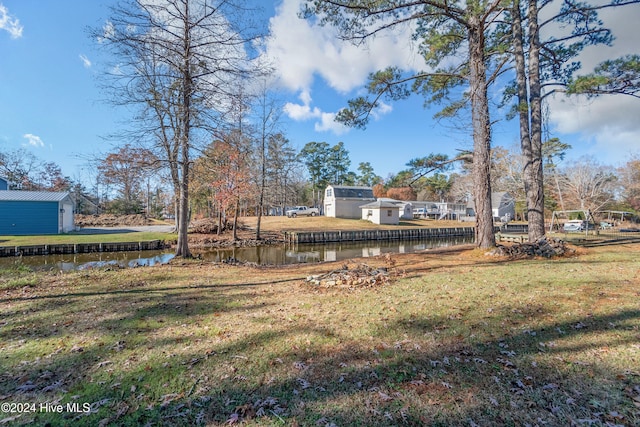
<point x="205" y="129"/>
<point x="226" y="179"/>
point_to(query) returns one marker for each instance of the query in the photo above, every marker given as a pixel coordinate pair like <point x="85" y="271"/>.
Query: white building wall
<point x="67" y="223"/>
<point x="344" y="207"/>
<point x="381" y="215"/>
<point x="348" y="208"/>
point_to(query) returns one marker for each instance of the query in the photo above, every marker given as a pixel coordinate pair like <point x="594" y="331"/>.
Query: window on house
<point x="329" y="192"/>
<point x="369" y="212"/>
<point x="389" y="212"/>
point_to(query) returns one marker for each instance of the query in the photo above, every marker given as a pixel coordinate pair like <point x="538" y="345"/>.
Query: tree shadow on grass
<point x="144" y="290"/>
<point x="412" y="371"/>
<point x="512" y="379"/>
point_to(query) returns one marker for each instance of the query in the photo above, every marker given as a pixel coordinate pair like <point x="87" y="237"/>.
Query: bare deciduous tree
<point x="588" y="185"/>
<point x="630" y="182"/>
<point x="126" y="170"/>
<point x="176" y="62"/>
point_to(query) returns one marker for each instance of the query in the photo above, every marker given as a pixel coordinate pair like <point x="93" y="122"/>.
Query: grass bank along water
<point x="456" y="339"/>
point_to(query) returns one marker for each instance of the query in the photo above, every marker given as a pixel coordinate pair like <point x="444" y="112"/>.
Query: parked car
<point x="302" y="210"/>
<point x="578" y="225"/>
<point x="573" y="225"/>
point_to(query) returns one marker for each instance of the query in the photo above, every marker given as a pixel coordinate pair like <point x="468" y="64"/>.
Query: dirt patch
<point x="245" y="238"/>
<point x="109" y="220"/>
<point x="210" y="226"/>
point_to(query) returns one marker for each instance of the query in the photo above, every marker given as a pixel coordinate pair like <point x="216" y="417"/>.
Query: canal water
<point x="262" y="255"/>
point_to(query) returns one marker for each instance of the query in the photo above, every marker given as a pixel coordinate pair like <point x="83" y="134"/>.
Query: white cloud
<point x="608" y="125"/>
<point x="303" y="112"/>
<point x="108" y="31"/>
<point x="33" y="140"/>
<point x="302" y="49"/>
<point x="10" y="23"/>
<point x="85" y="61"/>
<point x="381" y="110"/>
<point x="328" y="123"/>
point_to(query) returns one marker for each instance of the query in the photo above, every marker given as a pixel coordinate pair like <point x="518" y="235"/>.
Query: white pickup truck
<point x="302" y="210"/>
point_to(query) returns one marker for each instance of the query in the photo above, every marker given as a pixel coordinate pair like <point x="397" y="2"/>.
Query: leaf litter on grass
<point x="358" y="275"/>
<point x="456" y="338"/>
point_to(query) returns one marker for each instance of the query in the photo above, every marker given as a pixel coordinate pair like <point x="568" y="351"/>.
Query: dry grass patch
<point x="282" y="223"/>
<point x="71" y="238"/>
<point x="461" y="339"/>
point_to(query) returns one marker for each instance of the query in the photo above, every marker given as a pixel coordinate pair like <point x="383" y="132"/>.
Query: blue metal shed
<point x="35" y="212"/>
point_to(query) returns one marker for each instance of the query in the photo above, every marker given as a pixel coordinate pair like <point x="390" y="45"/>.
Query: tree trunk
<point x="182" y="248"/>
<point x="485" y="237"/>
<point x="263" y="173"/>
<point x="535" y="194"/>
<point x="524" y="113"/>
<point x="235" y="220"/>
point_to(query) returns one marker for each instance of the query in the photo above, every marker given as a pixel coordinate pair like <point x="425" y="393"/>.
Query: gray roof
<point x="379" y="204"/>
<point x="32" y="196"/>
<point x="395" y="202"/>
<point x="498" y="199"/>
<point x="353" y="192"/>
<point x="501" y="198"/>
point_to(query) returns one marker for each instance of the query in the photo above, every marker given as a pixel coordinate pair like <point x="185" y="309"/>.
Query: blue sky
<point x="50" y="102"/>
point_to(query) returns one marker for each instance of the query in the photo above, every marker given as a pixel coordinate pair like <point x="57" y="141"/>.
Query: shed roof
<point x="395" y="202"/>
<point x="32" y="196"/>
<point x="379" y="204"/>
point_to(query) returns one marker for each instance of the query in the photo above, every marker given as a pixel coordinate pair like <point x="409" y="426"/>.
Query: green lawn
<point x="52" y="239"/>
<point x="458" y="339"/>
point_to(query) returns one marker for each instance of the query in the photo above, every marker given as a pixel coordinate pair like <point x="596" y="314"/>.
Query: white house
<point x="381" y="212"/>
<point x="503" y="206"/>
<point x="438" y="210"/>
<point x="341" y="201"/>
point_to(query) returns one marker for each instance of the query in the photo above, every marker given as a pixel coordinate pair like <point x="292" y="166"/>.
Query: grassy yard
<point x="53" y="239"/>
<point x="458" y="339"/>
<point x="282" y="223"/>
